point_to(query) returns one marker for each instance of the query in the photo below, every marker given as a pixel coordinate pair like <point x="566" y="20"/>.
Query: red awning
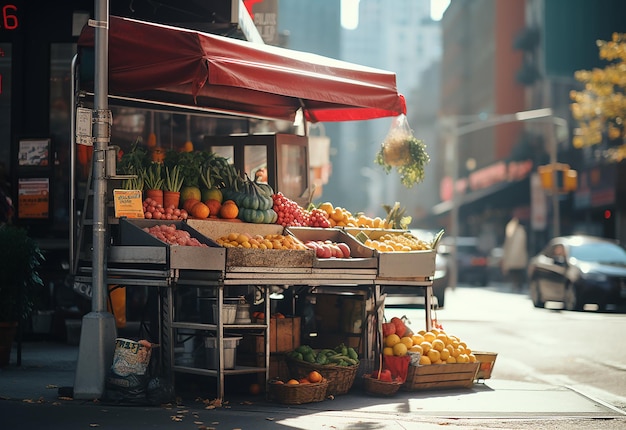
<point x="162" y="63"/>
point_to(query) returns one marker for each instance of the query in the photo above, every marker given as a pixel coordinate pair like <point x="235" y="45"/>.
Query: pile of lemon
<point x="398" y="242"/>
<point x="434" y="346"/>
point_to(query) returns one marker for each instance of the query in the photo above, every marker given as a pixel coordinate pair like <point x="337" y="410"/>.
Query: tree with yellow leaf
<point x="600" y="108"/>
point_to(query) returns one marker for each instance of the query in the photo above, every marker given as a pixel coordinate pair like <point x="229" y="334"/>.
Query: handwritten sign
<point x="128" y="203"/>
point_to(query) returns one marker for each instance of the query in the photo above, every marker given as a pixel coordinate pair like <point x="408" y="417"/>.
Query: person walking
<point x="515" y="256"/>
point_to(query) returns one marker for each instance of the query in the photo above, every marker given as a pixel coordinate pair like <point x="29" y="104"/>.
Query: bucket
<point x="229" y="312"/>
<point x="230" y="349"/>
<point x="130" y="357"/>
<point x="242" y="316"/>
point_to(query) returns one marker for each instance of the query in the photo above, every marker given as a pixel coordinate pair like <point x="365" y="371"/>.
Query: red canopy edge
<point x="171" y="64"/>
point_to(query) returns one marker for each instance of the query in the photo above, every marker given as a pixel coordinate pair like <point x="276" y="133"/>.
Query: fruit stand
<point x="197" y="279"/>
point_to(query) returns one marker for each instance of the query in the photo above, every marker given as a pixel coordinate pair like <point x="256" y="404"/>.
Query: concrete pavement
<point x="30" y="398"/>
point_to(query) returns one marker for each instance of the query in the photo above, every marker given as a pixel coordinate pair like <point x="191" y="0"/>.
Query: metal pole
<point x="556" y="215"/>
<point x="98" y="332"/>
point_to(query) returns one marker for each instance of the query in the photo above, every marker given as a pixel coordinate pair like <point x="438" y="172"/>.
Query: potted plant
<point x="19" y="282"/>
<point x="153" y="182"/>
<point x="171" y="187"/>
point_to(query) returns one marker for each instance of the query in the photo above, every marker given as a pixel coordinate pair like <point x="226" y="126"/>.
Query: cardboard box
<point x="438" y="376"/>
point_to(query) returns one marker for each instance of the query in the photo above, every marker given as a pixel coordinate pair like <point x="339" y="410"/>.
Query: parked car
<point x="578" y="270"/>
<point x="472" y="263"/>
<point x="403" y="296"/>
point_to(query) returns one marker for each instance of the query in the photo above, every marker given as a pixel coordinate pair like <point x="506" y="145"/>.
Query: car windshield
<point x="606" y="253"/>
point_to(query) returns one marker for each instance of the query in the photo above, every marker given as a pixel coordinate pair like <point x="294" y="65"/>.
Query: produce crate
<point x="487" y="361"/>
<point x="439" y="376"/>
<point x="398" y="265"/>
<point x="245" y="257"/>
<point x="360" y="255"/>
<point x="284" y="336"/>
<point x="132" y="238"/>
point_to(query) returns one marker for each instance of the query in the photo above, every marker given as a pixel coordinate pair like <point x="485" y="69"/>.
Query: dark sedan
<point x="578" y="270"/>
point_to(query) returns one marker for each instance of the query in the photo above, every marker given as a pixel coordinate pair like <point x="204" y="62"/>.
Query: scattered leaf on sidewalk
<point x="64" y="398"/>
<point x="94" y="425"/>
<point x="177" y="418"/>
<point x="51" y="386"/>
<point x="269" y="418"/>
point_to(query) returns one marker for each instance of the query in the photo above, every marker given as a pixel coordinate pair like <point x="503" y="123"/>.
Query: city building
<point x="500" y="58"/>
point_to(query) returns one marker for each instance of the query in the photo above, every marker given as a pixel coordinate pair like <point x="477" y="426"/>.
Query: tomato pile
<point x="169" y="234"/>
<point x="154" y="210"/>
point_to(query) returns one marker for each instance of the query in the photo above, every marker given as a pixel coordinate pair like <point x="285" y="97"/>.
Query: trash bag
<point x="127" y="380"/>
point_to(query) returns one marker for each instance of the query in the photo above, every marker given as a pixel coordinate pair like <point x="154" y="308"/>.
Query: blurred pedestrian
<point x="515" y="255"/>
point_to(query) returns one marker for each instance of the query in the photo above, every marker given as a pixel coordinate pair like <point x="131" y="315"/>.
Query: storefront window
<point x="60" y="99"/>
<point x="5" y="110"/>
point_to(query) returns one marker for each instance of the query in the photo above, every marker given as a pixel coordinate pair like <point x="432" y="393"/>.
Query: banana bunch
<point x="255" y="202"/>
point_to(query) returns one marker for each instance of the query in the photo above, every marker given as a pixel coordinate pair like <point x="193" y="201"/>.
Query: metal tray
<point x="361" y="255"/>
<point x="211" y="257"/>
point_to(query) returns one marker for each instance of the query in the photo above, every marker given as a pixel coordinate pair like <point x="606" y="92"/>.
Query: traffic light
<point x="566" y="178"/>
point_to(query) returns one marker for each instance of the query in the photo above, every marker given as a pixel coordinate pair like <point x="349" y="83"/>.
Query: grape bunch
<point x="290" y="213"/>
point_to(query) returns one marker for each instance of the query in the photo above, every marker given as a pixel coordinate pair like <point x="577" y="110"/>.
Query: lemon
<point x="472" y="358"/>
<point x="444" y="354"/>
<point x="391" y="340"/>
<point x="438" y="345"/>
<point x="433" y="355"/>
<point x="387" y="351"/>
<point x="426" y="346"/>
<point x="451" y="360"/>
<point x="399" y="349"/>
<point x="408" y="341"/>
<point x="424" y="360"/>
<point x="418" y="349"/>
<point x="429" y="336"/>
<point x="417" y="339"/>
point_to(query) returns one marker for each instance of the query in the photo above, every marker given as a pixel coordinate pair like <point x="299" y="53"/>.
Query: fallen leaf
<point x="270" y="418"/>
<point x="94" y="425"/>
<point x="51" y="386"/>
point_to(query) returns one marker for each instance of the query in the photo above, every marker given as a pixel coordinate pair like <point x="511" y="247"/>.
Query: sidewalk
<point x="29" y="396"/>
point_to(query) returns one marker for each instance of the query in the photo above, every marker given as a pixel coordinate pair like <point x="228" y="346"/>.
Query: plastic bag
<point x="396" y="149"/>
<point x="399" y="366"/>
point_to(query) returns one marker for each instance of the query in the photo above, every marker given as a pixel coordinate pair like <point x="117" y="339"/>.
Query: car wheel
<point x="572" y="299"/>
<point x="535" y="294"/>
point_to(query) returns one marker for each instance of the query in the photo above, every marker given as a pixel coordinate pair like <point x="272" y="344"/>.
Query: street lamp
<point x="457" y="126"/>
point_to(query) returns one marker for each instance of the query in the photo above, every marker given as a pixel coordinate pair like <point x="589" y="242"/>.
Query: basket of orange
<point x="309" y="389"/>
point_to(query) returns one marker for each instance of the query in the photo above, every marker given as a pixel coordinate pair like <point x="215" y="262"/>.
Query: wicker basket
<point x="380" y="388"/>
<point x="298" y="394"/>
<point x="340" y="378"/>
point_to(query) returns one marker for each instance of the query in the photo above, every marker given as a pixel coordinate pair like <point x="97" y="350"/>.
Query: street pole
<point x="452" y="131"/>
<point x="98" y="332"/>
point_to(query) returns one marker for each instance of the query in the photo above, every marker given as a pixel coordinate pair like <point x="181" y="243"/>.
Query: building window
<point x="5" y="108"/>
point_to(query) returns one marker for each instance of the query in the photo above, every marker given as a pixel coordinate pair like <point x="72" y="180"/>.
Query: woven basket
<point x="380" y="388"/>
<point x="298" y="394"/>
<point x="340" y="378"/>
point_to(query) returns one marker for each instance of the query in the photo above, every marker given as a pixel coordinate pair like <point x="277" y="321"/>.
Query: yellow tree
<point x="600" y="108"/>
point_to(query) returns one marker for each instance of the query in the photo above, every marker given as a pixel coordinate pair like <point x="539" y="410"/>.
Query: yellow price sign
<point x="128" y="203"/>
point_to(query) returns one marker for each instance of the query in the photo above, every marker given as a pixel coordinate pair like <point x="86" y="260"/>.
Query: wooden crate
<point x="284" y="336"/>
<point x="439" y="376"/>
<point x="487" y="360"/>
